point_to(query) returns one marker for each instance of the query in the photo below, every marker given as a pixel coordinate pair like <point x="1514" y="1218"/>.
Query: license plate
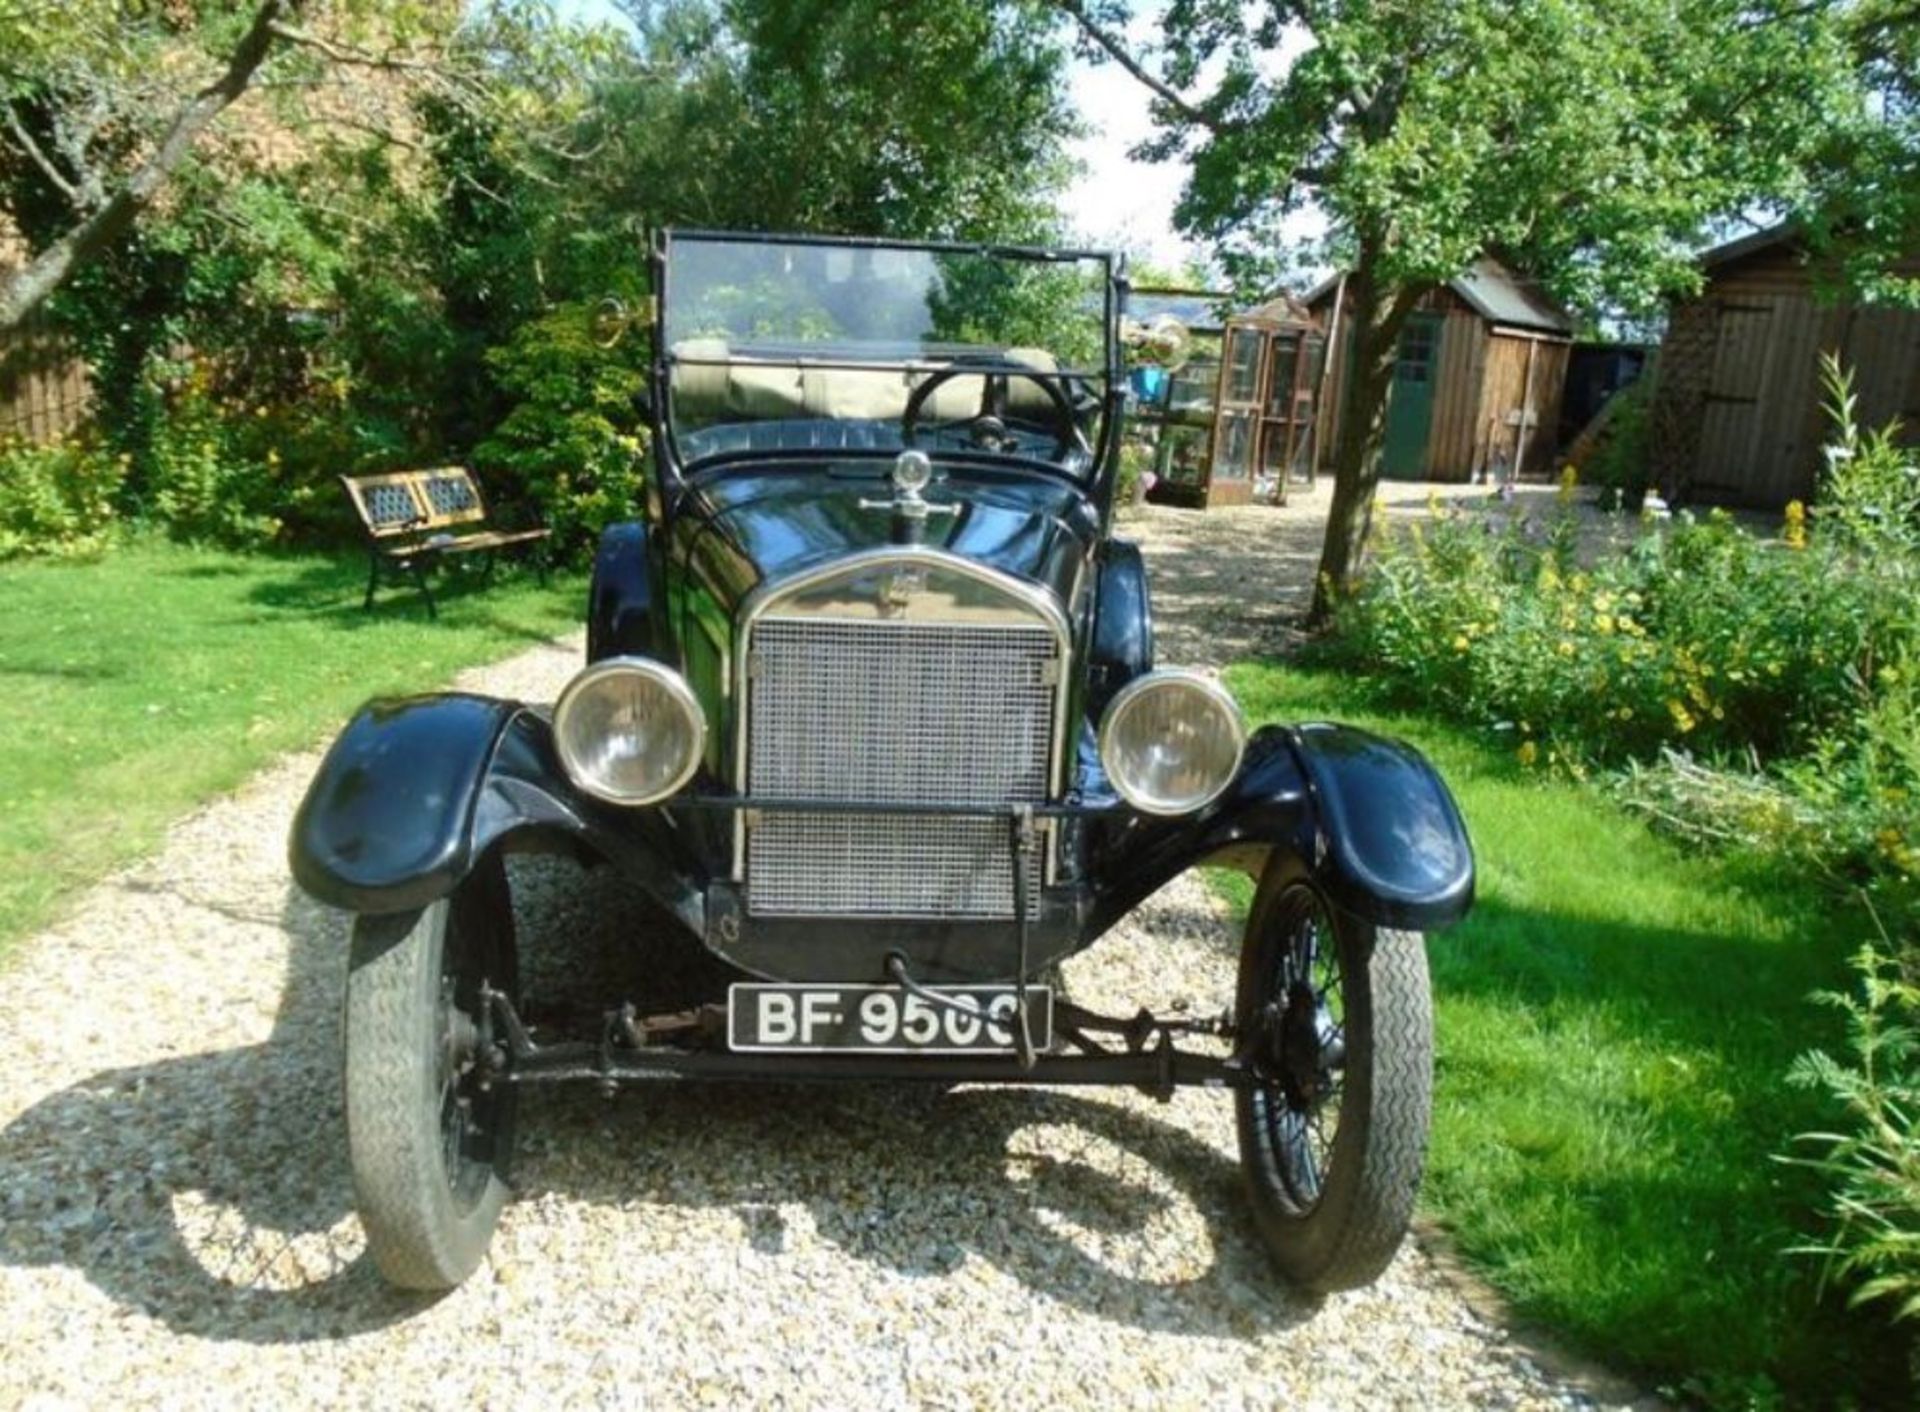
<point x="868" y="1019"/>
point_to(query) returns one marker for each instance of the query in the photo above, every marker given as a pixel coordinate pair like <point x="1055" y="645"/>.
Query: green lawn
<point x="138" y="685"/>
<point x="1614" y="1023"/>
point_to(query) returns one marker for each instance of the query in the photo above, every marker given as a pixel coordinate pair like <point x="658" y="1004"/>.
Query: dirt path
<point x="175" y="1226"/>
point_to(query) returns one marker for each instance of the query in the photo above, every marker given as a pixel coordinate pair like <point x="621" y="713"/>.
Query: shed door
<point x="1237" y="421"/>
<point x="1410" y="408"/>
<point x="1730" y="414"/>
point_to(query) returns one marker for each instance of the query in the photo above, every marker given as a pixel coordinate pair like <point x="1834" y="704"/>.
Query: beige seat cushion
<point x="1028" y="399"/>
<point x="844" y="393"/>
<point x="717" y="385"/>
<point x="734" y="388"/>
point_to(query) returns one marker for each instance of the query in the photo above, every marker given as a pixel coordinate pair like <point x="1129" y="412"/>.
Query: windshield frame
<point x="1108" y="380"/>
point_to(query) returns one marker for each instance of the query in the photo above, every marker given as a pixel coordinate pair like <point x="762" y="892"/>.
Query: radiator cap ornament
<point x="912" y="473"/>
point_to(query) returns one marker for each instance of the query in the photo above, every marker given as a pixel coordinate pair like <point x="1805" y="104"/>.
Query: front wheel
<point x="428" y="1140"/>
<point x="1338" y="1024"/>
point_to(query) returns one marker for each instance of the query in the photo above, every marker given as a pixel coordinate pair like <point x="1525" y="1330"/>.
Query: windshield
<point x="818" y="345"/>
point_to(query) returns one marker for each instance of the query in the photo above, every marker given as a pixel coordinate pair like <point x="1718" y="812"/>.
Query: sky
<point x="1115" y="200"/>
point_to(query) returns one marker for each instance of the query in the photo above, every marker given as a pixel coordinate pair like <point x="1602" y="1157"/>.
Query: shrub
<point x="1872" y="1165"/>
<point x="57" y="499"/>
<point x="1621" y="465"/>
<point x="202" y="486"/>
<point x="571" y="444"/>
<point x="1699" y="636"/>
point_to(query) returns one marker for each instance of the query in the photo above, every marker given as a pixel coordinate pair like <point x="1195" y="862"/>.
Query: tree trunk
<point x="27" y="288"/>
<point x="1375" y="314"/>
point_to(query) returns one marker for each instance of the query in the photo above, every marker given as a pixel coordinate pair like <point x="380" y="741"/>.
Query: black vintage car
<point x="870" y="710"/>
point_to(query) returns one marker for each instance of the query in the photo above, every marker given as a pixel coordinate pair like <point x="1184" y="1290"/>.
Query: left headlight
<point x="629" y="730"/>
<point x="1171" y="741"/>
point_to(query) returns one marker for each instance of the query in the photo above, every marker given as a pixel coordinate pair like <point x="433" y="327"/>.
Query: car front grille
<point x="895" y="712"/>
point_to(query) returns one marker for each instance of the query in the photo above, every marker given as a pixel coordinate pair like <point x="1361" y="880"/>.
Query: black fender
<point x="1122" y="646"/>
<point x="1369" y="819"/>
<point x="415" y="791"/>
<point x="621" y="602"/>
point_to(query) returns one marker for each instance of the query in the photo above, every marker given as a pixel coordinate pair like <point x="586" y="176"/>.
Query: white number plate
<point x="866" y="1019"/>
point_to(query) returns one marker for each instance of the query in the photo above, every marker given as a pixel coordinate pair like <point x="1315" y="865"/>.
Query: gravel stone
<point x="176" y="1226"/>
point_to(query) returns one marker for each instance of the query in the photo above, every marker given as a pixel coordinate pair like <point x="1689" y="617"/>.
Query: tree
<point x="102" y="110"/>
<point x="1593" y="142"/>
<point x="944" y="118"/>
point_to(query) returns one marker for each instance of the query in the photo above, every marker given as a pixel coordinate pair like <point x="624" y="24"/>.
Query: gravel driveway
<point x="174" y="1204"/>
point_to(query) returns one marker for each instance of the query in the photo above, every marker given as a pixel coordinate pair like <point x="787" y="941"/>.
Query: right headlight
<point x="1171" y="741"/>
<point x="629" y="730"/>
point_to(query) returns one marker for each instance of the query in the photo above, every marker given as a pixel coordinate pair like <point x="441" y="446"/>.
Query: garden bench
<point x="410" y="518"/>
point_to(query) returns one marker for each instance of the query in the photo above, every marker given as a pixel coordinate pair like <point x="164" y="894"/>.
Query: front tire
<point x="428" y="1144"/>
<point x="1338" y="1023"/>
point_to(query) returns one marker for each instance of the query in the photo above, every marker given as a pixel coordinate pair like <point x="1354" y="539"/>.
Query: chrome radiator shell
<point x="896" y="676"/>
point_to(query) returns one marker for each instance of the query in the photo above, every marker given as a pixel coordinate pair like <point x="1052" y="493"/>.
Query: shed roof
<point x="1282" y="308"/>
<point x="1505" y="297"/>
<point x="1754" y="244"/>
<point x="1496" y="292"/>
<point x="1198" y="309"/>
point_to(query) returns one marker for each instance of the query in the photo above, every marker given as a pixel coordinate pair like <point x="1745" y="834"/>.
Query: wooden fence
<point x="45" y="391"/>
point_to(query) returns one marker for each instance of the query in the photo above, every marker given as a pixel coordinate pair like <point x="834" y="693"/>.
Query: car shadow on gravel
<point x="211" y="1192"/>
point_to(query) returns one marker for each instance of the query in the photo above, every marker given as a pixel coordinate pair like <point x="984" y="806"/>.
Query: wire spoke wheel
<point x="1336" y="1025"/>
<point x="429" y="1139"/>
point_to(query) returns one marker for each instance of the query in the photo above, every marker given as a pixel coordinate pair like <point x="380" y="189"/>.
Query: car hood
<point x="747" y="526"/>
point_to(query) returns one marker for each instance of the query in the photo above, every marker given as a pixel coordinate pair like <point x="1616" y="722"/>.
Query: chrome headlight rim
<point x="1161" y="677"/>
<point x="677" y="690"/>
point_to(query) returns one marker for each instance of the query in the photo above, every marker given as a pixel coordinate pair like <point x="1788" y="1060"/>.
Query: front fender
<point x="1122" y="646"/>
<point x="416" y="790"/>
<point x="621" y="603"/>
<point x="1369" y="818"/>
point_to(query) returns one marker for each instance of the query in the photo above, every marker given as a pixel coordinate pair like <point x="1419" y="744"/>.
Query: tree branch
<point x="345" y="54"/>
<point x="28" y="288"/>
<point x="1119" y="53"/>
<point x="40" y="159"/>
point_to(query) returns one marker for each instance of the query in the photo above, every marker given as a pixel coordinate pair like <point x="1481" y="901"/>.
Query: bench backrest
<point x="404" y="502"/>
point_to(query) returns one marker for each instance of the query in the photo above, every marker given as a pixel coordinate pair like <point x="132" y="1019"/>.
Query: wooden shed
<point x="1737" y="415"/>
<point x="1476" y="391"/>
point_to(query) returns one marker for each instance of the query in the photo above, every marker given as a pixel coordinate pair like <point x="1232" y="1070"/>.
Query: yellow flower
<point x="1603" y="622"/>
<point x="1459" y="642"/>
<point x="1566" y="648"/>
<point x="1527" y="753"/>
<point x="1682" y="717"/>
<point x="1793" y="531"/>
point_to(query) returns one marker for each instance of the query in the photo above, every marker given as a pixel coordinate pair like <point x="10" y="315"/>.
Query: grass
<point x="1614" y="1023"/>
<point x="138" y="685"/>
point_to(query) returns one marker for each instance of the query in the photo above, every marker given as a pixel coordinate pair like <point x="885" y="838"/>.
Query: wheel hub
<point x="1304" y="1047"/>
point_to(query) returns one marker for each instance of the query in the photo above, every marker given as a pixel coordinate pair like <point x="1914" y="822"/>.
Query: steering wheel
<point x="996" y="371"/>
